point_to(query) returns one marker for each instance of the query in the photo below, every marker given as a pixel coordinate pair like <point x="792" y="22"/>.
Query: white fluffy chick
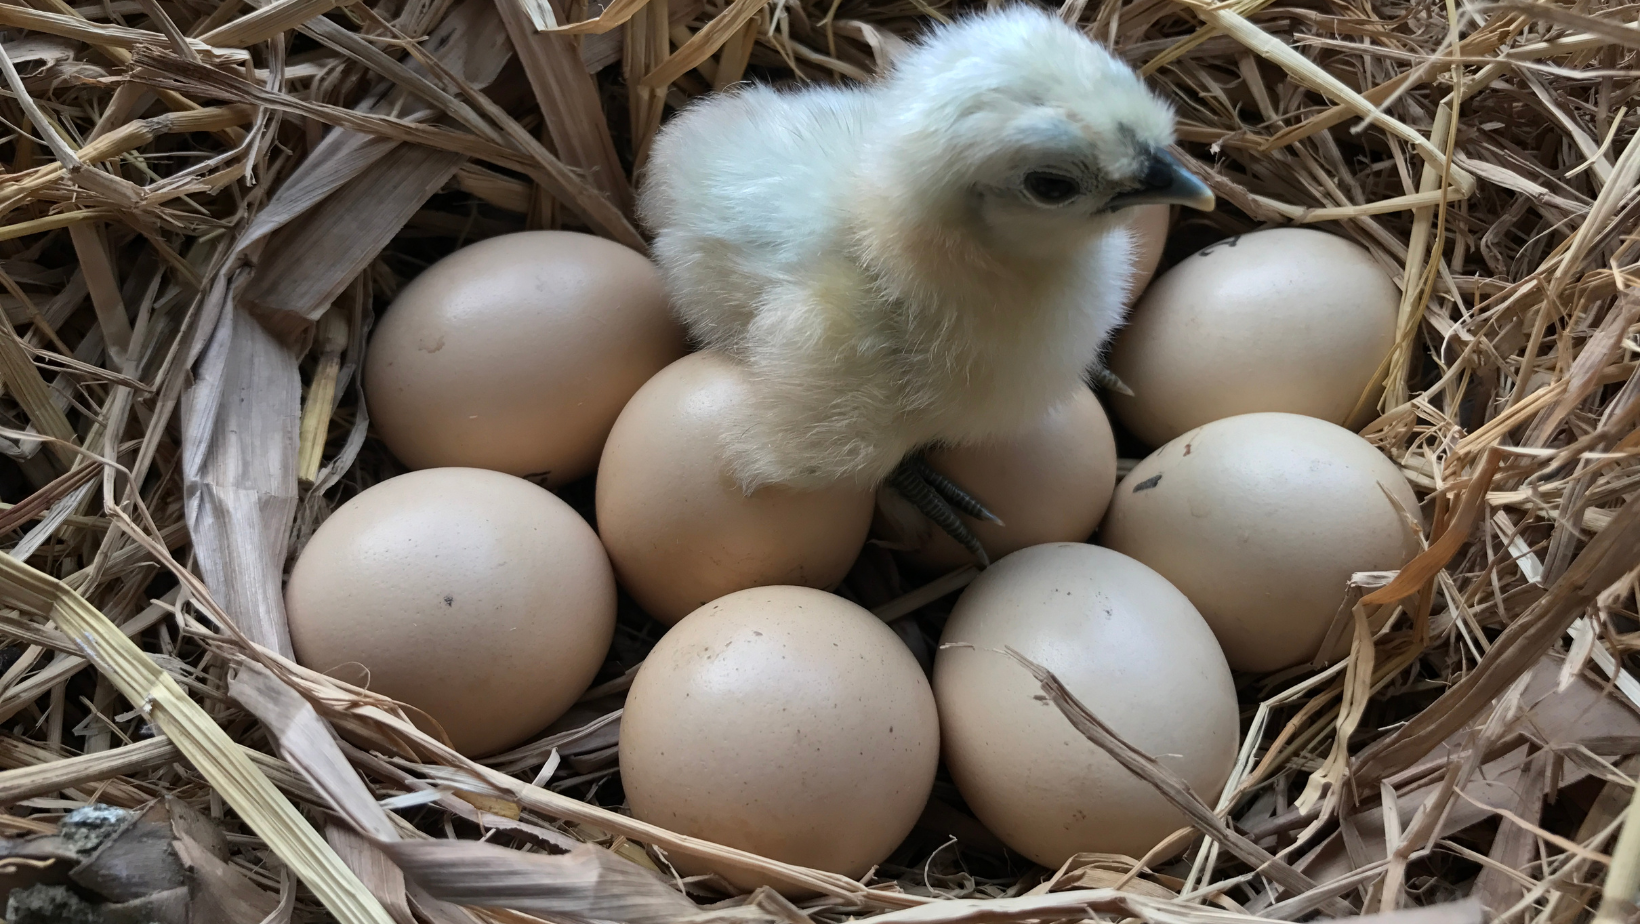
<point x="937" y="258"/>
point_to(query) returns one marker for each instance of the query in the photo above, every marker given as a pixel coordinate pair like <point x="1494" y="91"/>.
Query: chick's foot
<point x="941" y="500"/>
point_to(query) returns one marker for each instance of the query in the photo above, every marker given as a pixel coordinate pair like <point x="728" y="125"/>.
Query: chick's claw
<point x="1106" y="380"/>
<point x="941" y="500"/>
<point x="951" y="491"/>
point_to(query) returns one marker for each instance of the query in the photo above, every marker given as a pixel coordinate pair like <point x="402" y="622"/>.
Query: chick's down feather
<point x="936" y="258"/>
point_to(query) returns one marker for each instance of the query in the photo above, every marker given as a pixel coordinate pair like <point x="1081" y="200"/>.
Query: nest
<point x="206" y="203"/>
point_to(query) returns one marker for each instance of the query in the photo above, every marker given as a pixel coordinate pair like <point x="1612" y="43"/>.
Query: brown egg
<point x="1289" y="319"/>
<point x="474" y="596"/>
<point x="1048" y="484"/>
<point x="1149" y="224"/>
<point x="517" y="353"/>
<point x="680" y="532"/>
<point x="1260" y="520"/>
<point x="1134" y="651"/>
<point x="785" y="721"/>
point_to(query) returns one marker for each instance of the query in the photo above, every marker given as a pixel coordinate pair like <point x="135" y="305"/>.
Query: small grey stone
<point x="50" y="904"/>
<point x="85" y="829"/>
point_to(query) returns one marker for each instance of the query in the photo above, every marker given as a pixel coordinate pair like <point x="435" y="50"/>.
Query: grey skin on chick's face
<point x="931" y="259"/>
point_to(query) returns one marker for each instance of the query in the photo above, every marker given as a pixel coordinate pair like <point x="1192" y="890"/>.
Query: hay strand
<point x="205" y="206"/>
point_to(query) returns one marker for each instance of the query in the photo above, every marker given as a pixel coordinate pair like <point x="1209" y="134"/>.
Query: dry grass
<point x="191" y="259"/>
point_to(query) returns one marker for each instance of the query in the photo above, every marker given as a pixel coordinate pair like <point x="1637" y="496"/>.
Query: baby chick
<point x="937" y="258"/>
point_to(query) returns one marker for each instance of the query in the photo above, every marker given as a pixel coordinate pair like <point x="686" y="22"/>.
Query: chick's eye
<point x="1052" y="188"/>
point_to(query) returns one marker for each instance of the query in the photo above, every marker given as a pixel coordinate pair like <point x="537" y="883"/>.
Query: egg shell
<point x="1050" y="483"/>
<point x="680" y="532"/>
<point x="1126" y="644"/>
<point x="477" y="597"/>
<point x="1149" y="225"/>
<point x="517" y="353"/>
<point x="785" y="721"/>
<point x="1289" y="319"/>
<point x="1260" y="520"/>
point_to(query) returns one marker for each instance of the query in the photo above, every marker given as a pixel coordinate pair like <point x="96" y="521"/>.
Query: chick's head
<point x="1015" y="122"/>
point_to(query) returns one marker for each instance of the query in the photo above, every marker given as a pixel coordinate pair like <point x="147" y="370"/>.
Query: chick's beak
<point x="1166" y="181"/>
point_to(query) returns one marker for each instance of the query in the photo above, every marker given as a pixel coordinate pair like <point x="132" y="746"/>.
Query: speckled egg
<point x="1049" y="483"/>
<point x="1260" y="519"/>
<point x="785" y="721"/>
<point x="476" y="597"/>
<point x="1126" y="644"/>
<point x="680" y="532"/>
<point x="1290" y="319"/>
<point x="517" y="353"/>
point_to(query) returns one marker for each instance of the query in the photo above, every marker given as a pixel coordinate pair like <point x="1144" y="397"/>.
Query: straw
<point x="205" y="206"/>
